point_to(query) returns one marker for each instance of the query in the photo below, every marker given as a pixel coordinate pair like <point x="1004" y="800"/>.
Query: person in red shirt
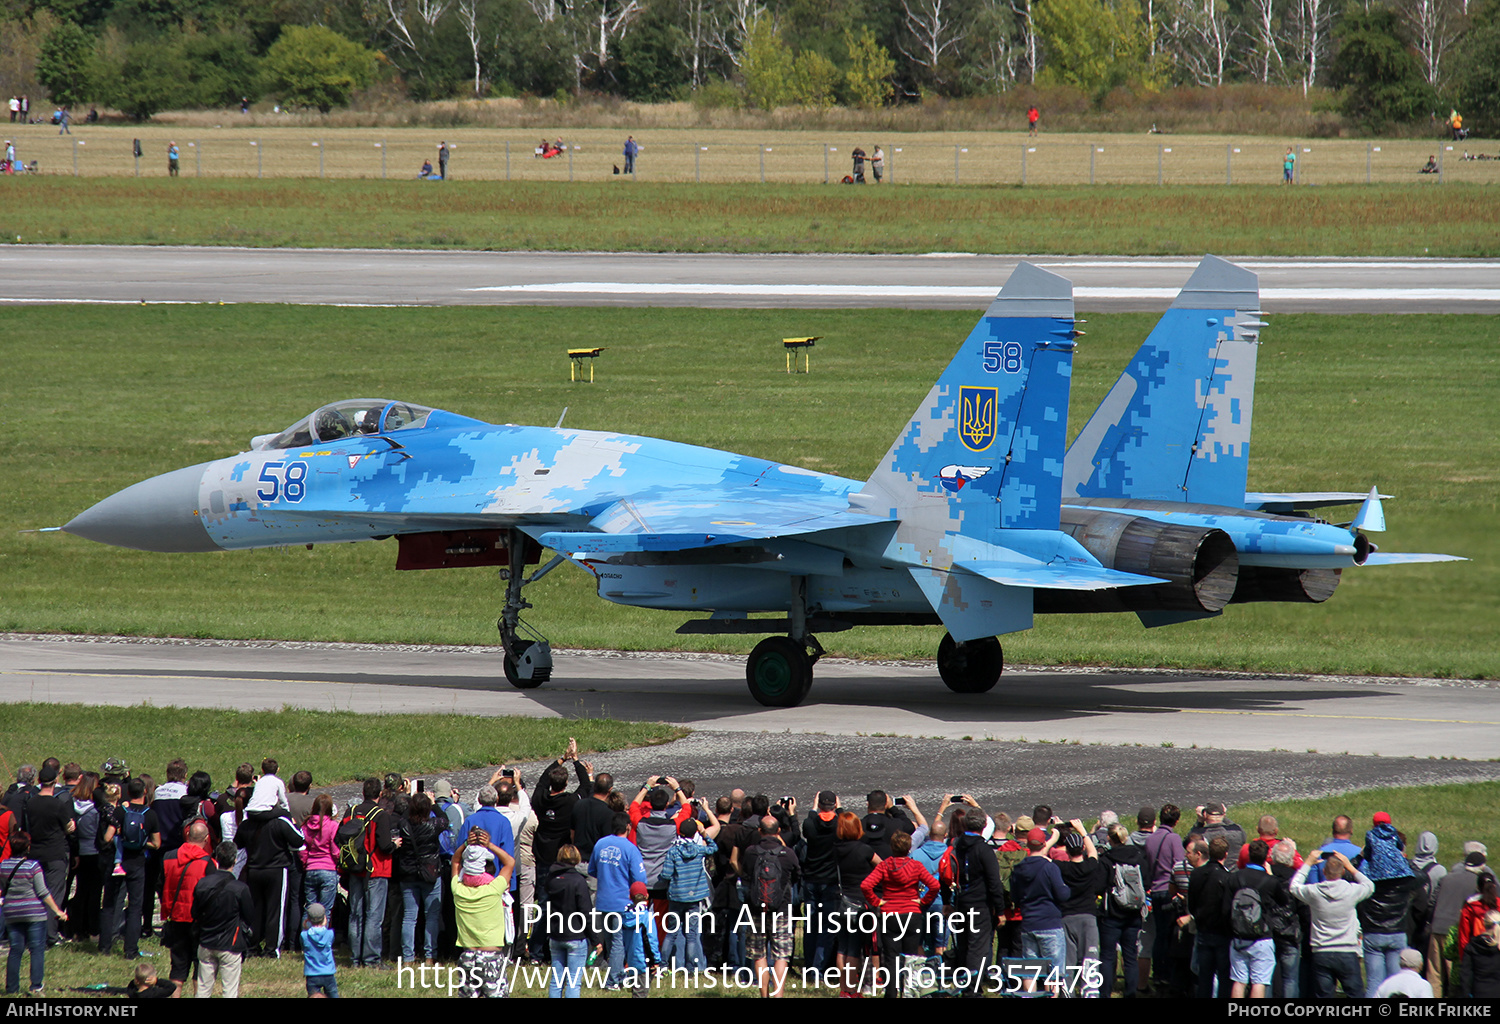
<point x="1032" y="117"/>
<point x="901" y="889"/>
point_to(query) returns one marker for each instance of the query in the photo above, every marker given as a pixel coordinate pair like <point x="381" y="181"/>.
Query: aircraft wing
<point x="1055" y="576"/>
<point x="704" y="518"/>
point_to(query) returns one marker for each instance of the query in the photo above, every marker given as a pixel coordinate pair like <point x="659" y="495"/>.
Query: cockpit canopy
<point x="345" y="419"/>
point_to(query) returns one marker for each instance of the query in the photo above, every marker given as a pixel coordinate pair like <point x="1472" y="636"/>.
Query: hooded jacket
<point x="973" y="874"/>
<point x="183" y="869"/>
<point x="1332" y="907"/>
<point x="1479" y="970"/>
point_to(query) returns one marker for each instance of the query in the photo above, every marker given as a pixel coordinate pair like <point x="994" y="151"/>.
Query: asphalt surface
<point x="121" y="274"/>
<point x="1084" y="740"/>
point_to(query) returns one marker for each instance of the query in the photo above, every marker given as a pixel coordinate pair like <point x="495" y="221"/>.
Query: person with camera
<point x="1087" y="879"/>
<point x="970" y="879"/>
<point x="1037" y="886"/>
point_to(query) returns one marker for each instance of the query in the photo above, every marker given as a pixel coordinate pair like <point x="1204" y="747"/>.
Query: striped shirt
<point x="24" y="889"/>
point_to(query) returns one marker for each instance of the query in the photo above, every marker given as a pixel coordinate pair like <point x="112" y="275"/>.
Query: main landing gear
<point x="528" y="656"/>
<point x="779" y="672"/>
<point x="973" y="666"/>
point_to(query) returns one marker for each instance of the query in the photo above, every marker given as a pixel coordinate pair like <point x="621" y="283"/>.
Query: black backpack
<point x="770" y="889"/>
<point x="1247" y="915"/>
<point x="353" y="839"/>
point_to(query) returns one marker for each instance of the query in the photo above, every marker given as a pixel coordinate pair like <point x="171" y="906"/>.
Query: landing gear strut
<point x="779" y="672"/>
<point x="973" y="666"/>
<point x="528" y="656"/>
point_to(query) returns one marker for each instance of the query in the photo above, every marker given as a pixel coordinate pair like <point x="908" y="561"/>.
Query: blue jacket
<point x="685" y="871"/>
<point x="640" y="935"/>
<point x="615" y="862"/>
<point x="496" y="824"/>
<point x="928" y="855"/>
<point x="1037" y="887"/>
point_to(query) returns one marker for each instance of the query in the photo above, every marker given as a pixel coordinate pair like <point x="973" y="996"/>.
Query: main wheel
<point x="513" y="676"/>
<point x="779" y="672"/>
<point x="970" y="667"/>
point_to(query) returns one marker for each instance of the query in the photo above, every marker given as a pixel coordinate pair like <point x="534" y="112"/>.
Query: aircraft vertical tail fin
<point x="1176" y="425"/>
<point x="983" y="452"/>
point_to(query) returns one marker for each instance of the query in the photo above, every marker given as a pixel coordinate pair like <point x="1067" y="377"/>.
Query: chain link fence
<point x="736" y="157"/>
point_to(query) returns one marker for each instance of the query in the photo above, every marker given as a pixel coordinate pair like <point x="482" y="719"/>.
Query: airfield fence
<point x="280" y="153"/>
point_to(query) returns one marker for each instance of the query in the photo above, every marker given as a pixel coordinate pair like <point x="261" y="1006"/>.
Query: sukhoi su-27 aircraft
<point x="964" y="522"/>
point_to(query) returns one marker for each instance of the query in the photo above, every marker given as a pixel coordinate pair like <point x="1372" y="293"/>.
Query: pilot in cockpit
<point x="333" y="424"/>
<point x="369" y="421"/>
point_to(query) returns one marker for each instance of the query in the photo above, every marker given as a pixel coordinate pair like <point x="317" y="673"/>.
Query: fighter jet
<point x="961" y="523"/>
<point x="1155" y="481"/>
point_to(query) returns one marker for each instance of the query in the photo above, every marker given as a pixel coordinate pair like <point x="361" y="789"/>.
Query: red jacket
<point x="184" y="868"/>
<point x="899" y="881"/>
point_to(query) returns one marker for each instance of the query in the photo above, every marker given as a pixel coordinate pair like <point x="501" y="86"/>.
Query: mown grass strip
<point x="335" y="746"/>
<point x="1379" y="220"/>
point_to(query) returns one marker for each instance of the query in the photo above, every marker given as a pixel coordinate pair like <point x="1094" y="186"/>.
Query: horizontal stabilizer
<point x="972" y="606"/>
<point x="1408" y="558"/>
<point x="1153" y="619"/>
<point x="1282" y="502"/>
<point x="1065" y="576"/>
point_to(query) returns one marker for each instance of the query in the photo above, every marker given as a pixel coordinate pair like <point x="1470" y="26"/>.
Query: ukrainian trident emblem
<point x="976" y="417"/>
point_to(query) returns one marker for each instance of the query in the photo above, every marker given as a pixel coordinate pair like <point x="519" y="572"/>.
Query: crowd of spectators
<point x="656" y="881"/>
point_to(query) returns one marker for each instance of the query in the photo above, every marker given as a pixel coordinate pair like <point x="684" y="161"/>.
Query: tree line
<point x="1394" y="61"/>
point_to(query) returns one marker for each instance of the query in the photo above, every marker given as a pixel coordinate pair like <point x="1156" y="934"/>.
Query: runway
<point x="1100" y="735"/>
<point x="130" y="274"/>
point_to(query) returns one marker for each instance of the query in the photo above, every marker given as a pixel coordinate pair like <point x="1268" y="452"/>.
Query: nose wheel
<point x="973" y="666"/>
<point x="779" y="672"/>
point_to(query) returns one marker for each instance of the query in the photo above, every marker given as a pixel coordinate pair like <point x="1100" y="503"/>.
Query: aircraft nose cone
<point x="159" y="514"/>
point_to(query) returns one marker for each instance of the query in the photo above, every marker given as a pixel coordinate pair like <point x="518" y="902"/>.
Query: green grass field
<point x="98" y="398"/>
<point x="1376" y="220"/>
<point x="335" y="746"/>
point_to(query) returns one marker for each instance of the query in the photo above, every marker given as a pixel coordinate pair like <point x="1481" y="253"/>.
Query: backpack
<point x="1247" y="915"/>
<point x="353" y="840"/>
<point x="1129" y="890"/>
<point x="133" y="835"/>
<point x="769" y="889"/>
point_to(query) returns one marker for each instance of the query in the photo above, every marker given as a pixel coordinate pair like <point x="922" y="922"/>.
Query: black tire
<point x="972" y="667"/>
<point x="779" y="672"/>
<point x="514" y="678"/>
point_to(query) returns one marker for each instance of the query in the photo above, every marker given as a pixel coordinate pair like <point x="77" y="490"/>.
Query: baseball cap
<point x="1024" y="824"/>
<point x="47" y="776"/>
<point x="316" y="914"/>
<point x="1411" y="960"/>
<point x="1036" y="835"/>
<point x="442" y="788"/>
<point x="114" y="766"/>
<point x="638" y="892"/>
<point x="1381" y="818"/>
<point x="1213" y="807"/>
